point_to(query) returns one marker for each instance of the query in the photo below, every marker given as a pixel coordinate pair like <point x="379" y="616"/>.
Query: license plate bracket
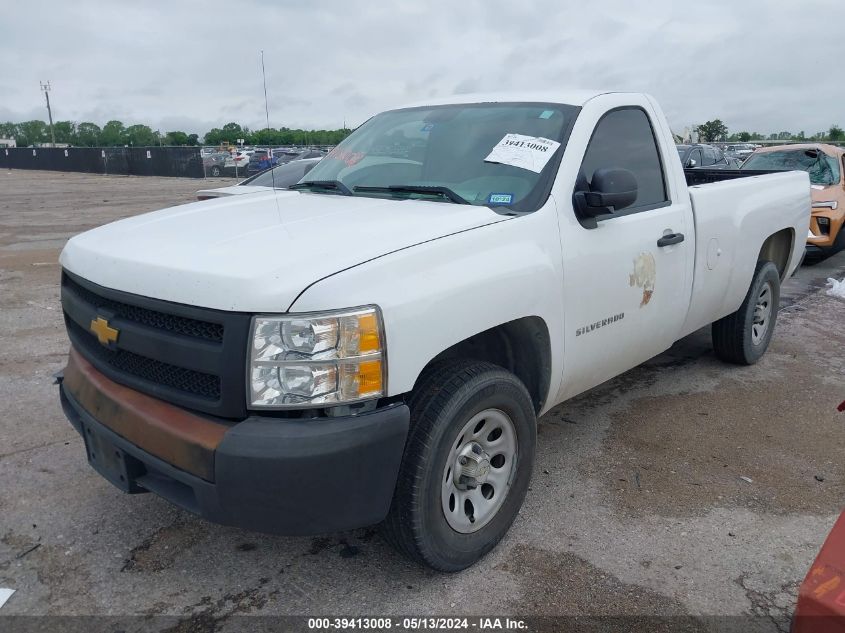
<point x="118" y="467"/>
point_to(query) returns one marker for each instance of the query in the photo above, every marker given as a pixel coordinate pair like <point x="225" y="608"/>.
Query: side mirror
<point x="691" y="163"/>
<point x="610" y="190"/>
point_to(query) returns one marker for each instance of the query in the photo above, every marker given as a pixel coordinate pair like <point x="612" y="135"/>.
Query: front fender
<point x="436" y="294"/>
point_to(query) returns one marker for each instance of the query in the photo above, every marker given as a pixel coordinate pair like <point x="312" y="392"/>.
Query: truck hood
<point x="256" y="253"/>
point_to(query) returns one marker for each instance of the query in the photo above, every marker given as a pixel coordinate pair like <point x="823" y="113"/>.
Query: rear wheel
<point x="744" y="336"/>
<point x="215" y="171"/>
<point x="467" y="464"/>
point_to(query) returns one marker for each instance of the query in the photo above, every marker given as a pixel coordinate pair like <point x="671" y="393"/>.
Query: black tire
<point x="839" y="242"/>
<point x="734" y="339"/>
<point x="215" y="171"/>
<point x="445" y="399"/>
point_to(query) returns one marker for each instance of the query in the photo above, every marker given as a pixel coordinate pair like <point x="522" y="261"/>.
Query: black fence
<point x="183" y="162"/>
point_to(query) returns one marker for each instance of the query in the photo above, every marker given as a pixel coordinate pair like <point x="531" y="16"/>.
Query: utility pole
<point x="46" y="89"/>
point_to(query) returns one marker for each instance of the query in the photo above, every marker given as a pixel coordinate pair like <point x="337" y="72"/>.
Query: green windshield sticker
<point x="547" y="114"/>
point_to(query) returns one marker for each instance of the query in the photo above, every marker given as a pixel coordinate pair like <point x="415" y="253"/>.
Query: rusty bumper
<point x="278" y="475"/>
<point x="183" y="439"/>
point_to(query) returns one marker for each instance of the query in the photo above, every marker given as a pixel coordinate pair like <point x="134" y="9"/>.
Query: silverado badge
<point x="104" y="332"/>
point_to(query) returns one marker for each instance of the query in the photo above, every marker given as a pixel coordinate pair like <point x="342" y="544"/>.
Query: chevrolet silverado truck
<point x="375" y="345"/>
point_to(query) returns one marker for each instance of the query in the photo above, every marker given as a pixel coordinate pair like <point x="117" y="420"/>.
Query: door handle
<point x="672" y="238"/>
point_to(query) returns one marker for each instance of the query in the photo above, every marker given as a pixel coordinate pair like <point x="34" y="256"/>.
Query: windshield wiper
<point x="334" y="185"/>
<point x="435" y="190"/>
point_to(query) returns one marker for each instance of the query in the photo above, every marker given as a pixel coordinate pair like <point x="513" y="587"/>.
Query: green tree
<point x="87" y="134"/>
<point x="180" y="138"/>
<point x="32" y="132"/>
<point x="229" y="133"/>
<point x="232" y="132"/>
<point x="65" y="131"/>
<point x="8" y="130"/>
<point x="113" y="134"/>
<point x="711" y="131"/>
<point x="140" y="136"/>
<point x="835" y="133"/>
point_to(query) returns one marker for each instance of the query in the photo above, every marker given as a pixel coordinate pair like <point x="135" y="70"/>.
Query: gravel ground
<point x="683" y="487"/>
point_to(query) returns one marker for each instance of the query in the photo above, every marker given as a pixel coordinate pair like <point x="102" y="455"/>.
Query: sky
<point x="759" y="65"/>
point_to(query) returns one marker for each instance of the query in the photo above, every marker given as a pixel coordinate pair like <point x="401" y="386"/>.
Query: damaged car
<point x="826" y="166"/>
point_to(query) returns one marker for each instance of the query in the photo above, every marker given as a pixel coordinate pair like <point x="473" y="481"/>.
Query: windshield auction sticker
<point x="527" y="152"/>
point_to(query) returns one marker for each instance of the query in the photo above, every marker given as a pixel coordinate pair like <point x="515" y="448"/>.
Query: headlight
<point x="303" y="360"/>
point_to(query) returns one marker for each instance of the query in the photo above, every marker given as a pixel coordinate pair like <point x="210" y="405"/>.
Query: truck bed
<point x="731" y="211"/>
<point x="707" y="176"/>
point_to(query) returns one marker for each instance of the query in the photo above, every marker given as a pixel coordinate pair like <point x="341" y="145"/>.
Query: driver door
<point x="625" y="296"/>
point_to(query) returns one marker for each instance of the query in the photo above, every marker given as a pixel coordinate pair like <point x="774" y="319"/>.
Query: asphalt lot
<point x="637" y="507"/>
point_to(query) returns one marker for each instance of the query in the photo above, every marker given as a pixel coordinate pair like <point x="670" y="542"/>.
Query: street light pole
<point x="46" y="89"/>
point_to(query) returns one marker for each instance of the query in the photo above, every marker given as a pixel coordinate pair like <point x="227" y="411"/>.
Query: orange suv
<point x="826" y="166"/>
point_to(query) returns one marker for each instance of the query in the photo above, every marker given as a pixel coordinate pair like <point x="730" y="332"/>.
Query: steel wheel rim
<point x="468" y="510"/>
<point x="762" y="314"/>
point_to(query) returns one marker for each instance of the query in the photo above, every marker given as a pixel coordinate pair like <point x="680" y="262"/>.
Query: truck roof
<point x="570" y="97"/>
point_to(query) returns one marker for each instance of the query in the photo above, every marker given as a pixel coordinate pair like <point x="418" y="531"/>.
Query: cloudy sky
<point x="759" y="65"/>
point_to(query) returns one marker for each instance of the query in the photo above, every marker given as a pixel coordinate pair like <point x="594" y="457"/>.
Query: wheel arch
<point x="777" y="248"/>
<point x="522" y="346"/>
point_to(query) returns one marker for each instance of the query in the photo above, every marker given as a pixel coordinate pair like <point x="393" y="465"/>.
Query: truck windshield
<point x="823" y="169"/>
<point x="494" y="154"/>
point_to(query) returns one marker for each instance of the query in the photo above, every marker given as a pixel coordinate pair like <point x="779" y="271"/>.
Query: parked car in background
<point x="214" y="164"/>
<point x="280" y="177"/>
<point x="264" y="159"/>
<point x="239" y="160"/>
<point x="826" y="166"/>
<point x="286" y="156"/>
<point x="260" y="160"/>
<point x="704" y="156"/>
<point x="740" y="151"/>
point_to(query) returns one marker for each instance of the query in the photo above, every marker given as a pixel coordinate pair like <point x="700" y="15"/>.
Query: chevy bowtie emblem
<point x="104" y="332"/>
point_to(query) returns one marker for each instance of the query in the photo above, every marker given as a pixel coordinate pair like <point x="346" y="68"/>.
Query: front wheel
<point x="467" y="465"/>
<point x="215" y="171"/>
<point x="743" y="337"/>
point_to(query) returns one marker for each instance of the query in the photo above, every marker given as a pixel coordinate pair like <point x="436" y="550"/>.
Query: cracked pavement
<point x="685" y="487"/>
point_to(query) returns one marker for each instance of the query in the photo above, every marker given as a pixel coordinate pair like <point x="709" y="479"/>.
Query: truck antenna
<point x="267" y="116"/>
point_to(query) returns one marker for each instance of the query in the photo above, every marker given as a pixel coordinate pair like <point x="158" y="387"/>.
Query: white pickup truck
<point x="375" y="345"/>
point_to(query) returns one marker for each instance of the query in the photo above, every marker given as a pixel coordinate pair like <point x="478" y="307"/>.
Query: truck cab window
<point x="708" y="157"/>
<point x="624" y="139"/>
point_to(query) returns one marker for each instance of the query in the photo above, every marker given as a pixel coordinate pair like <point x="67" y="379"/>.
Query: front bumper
<point x="277" y="475"/>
